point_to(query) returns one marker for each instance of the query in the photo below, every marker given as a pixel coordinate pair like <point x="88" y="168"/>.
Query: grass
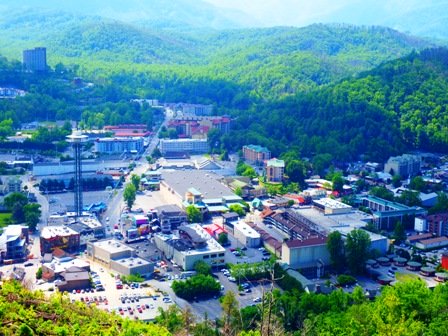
<point x="5" y="219"/>
<point x="406" y="276"/>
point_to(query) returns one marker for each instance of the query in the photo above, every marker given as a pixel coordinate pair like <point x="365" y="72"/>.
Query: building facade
<point x="406" y="165"/>
<point x="187" y="146"/>
<point x="61" y="237"/>
<point x="170" y="217"/>
<point x="119" y="145"/>
<point x="35" y="59"/>
<point x="256" y="154"/>
<point x="275" y="169"/>
<point x="13" y="243"/>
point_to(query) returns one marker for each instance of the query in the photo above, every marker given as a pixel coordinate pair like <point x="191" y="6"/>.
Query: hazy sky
<point x="285" y="12"/>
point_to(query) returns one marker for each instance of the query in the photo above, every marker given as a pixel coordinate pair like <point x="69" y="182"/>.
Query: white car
<point x="257" y="300"/>
<point x="232" y="279"/>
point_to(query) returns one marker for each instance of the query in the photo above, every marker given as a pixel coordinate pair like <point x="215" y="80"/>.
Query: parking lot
<point x="59" y="202"/>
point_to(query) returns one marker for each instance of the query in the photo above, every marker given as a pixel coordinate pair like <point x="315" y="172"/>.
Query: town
<point x="137" y="219"/>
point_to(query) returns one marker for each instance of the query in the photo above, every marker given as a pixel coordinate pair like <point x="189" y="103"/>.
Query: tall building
<point x="256" y="154"/>
<point x="35" y="59"/>
<point x="275" y="169"/>
<point x="406" y="165"/>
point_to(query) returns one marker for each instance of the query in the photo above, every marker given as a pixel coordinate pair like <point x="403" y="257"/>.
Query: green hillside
<point x="398" y="106"/>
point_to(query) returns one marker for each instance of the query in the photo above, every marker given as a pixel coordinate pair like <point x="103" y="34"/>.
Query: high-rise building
<point x="35" y="59"/>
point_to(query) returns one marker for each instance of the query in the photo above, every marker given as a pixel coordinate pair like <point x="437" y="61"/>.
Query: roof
<point x="49" y="232"/>
<point x="257" y="148"/>
<point x="434" y="240"/>
<point x="423" y="236"/>
<point x="275" y="163"/>
<point x="229" y="215"/>
<point x="315" y="241"/>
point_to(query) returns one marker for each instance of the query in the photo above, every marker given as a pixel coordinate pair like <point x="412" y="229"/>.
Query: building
<point x="437" y="224"/>
<point x="118" y="257"/>
<point x="202" y="189"/>
<point x="86" y="233"/>
<point x="134" y="226"/>
<point x="406" y="165"/>
<point x="92" y="222"/>
<point x="420" y="224"/>
<point x="247" y="236"/>
<point x="275" y="169"/>
<point x="306" y="253"/>
<point x="387" y="213"/>
<point x="255" y="154"/>
<point x="198" y="127"/>
<point x="73" y="278"/>
<point x="248" y="190"/>
<point x="192" y="244"/>
<point x="119" y="145"/>
<point x="12" y="185"/>
<point x="62" y="237"/>
<point x="186" y="146"/>
<point x="129" y="130"/>
<point x="53" y="269"/>
<point x="416" y="238"/>
<point x="170" y="217"/>
<point x="331" y="207"/>
<point x="432" y="243"/>
<point x="13" y="243"/>
<point x="35" y="59"/>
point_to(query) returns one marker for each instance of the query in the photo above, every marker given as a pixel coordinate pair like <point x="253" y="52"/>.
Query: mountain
<point x="400" y="105"/>
<point x="151" y="13"/>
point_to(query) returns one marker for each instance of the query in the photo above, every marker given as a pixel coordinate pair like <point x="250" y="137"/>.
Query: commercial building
<point x="387" y="213"/>
<point x="61" y="237"/>
<point x="275" y="169"/>
<point x="432" y="243"/>
<point x="255" y="154"/>
<point x="406" y="165"/>
<point x="331" y="207"/>
<point x="437" y="224"/>
<point x="202" y="189"/>
<point x="52" y="270"/>
<point x="35" y="59"/>
<point x="246" y="235"/>
<point x="13" y="243"/>
<point x="198" y="127"/>
<point x="118" y="257"/>
<point x="86" y="233"/>
<point x="129" y="130"/>
<point x="186" y="146"/>
<point x="307" y="253"/>
<point x="192" y="244"/>
<point x="119" y="145"/>
<point x="170" y="217"/>
<point x="73" y="278"/>
<point x="134" y="226"/>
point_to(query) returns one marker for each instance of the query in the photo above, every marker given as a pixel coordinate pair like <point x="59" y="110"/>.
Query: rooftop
<point x="132" y="262"/>
<point x="112" y="246"/>
<point x="248" y="231"/>
<point x="57" y="231"/>
<point x="275" y="163"/>
<point x="207" y="183"/>
<point x="296" y="243"/>
<point x="258" y="148"/>
<point x="332" y="204"/>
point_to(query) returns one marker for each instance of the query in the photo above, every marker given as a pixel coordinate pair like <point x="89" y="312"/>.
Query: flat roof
<point x="132" y="262"/>
<point x="61" y="266"/>
<point x="248" y="231"/>
<point x="57" y="231"/>
<point x="332" y="204"/>
<point x="207" y="183"/>
<point x="112" y="246"/>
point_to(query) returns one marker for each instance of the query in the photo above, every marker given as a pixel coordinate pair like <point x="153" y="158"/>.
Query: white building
<point x="190" y="146"/>
<point x="192" y="244"/>
<point x="306" y="253"/>
<point x="119" y="145"/>
<point x="246" y="235"/>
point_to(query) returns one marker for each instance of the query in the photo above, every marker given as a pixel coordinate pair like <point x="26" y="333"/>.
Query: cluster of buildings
<point x="197" y="127"/>
<point x="274" y="168"/>
<point x="11" y="93"/>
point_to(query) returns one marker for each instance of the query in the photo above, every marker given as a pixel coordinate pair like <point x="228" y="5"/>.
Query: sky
<point x="285" y="12"/>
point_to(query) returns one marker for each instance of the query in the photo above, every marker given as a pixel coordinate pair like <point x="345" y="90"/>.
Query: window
<point x="206" y="257"/>
<point x="213" y="255"/>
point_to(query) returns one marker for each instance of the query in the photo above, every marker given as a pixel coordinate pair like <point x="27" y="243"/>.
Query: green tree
<point x="237" y="208"/>
<point x="239" y="191"/>
<point x="410" y="198"/>
<point x="231" y="317"/>
<point x="337" y="182"/>
<point x="335" y="246"/>
<point x="399" y="233"/>
<point x="194" y="215"/>
<point x="223" y="238"/>
<point x="32" y="215"/>
<point x="417" y="183"/>
<point x="13" y="199"/>
<point x="396" y="181"/>
<point x="296" y="171"/>
<point x="129" y="194"/>
<point x="135" y="180"/>
<point x="201" y="267"/>
<point x="382" y="192"/>
<point x="357" y="249"/>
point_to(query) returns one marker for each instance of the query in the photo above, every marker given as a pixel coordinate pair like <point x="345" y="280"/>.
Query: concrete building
<point x="420" y="224"/>
<point x="186" y="146"/>
<point x="73" y="278"/>
<point x="11" y="185"/>
<point x="66" y="167"/>
<point x="13" y="243"/>
<point x="437" y="224"/>
<point x="275" y="169"/>
<point x="307" y="253"/>
<point x="119" y="145"/>
<point x="387" y="213"/>
<point x="199" y="188"/>
<point x="192" y="244"/>
<point x="332" y="207"/>
<point x="62" y="237"/>
<point x="406" y="165"/>
<point x="35" y="59"/>
<point x="432" y="243"/>
<point x="118" y="257"/>
<point x="170" y="217"/>
<point x="134" y="226"/>
<point x="197" y="127"/>
<point x="246" y="235"/>
<point x="255" y="154"/>
<point x="53" y="269"/>
<point x="86" y="233"/>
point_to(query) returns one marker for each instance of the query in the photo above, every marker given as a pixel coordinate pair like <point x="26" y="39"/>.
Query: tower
<point x="77" y="140"/>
